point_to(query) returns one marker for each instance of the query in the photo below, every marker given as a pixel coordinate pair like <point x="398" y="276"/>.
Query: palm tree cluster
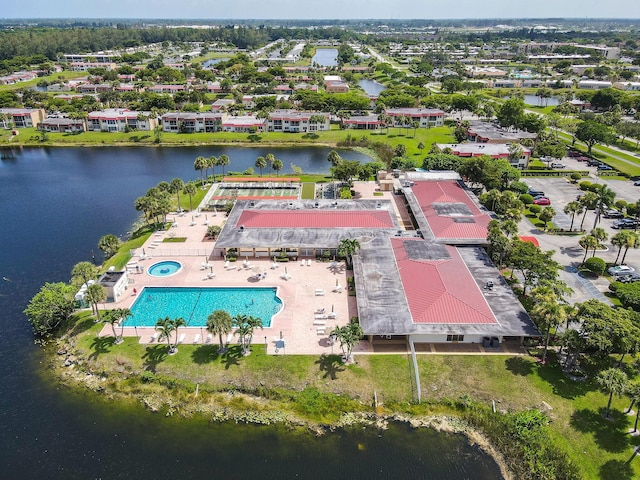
<point x="155" y="203"/>
<point x="168" y="328"/>
<point x="115" y="317"/>
<point x="347" y="336"/>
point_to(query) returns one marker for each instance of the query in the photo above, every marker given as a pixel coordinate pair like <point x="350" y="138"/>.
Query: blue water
<point x="164" y="269"/>
<point x="325" y="57"/>
<point x="194" y="305"/>
<point x="371" y="87"/>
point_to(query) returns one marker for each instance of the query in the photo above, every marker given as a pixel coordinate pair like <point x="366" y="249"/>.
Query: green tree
<point x="573" y="208"/>
<point x="347" y="248"/>
<point x="533" y="263"/>
<point x="277" y="165"/>
<point x="632" y="241"/>
<point x="270" y="157"/>
<point x="190" y="189"/>
<point x="167" y="326"/>
<point x="220" y="323"/>
<point x="84" y="271"/>
<point x="588" y="201"/>
<point x="176" y="187"/>
<point x="223" y="161"/>
<point x="49" y="308"/>
<point x="511" y="113"/>
<point x="547" y="215"/>
<point x="591" y="133"/>
<point x="612" y="381"/>
<point x="96" y="294"/>
<point x="212" y="161"/>
<point x="420" y="147"/>
<point x="348" y="336"/>
<point x="547" y="312"/>
<point x="245" y="327"/>
<point x="200" y="163"/>
<point x="400" y="150"/>
<point x="633" y="392"/>
<point x="606" y="197"/>
<point x="260" y="164"/>
<point x="109" y="244"/>
<point x="588" y="242"/>
<point x="334" y="158"/>
<point x="115" y="317"/>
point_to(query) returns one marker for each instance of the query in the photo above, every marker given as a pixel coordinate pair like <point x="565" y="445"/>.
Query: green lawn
<point x="308" y="191"/>
<point x="53" y="78"/>
<point x="120" y="259"/>
<point x="599" y="447"/>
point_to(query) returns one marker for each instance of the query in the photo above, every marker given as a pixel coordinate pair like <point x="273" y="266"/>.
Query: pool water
<point x="164" y="269"/>
<point x="195" y="304"/>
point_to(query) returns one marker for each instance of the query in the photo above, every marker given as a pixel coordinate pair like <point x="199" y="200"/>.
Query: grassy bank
<point x="394" y="137"/>
<point x="314" y="390"/>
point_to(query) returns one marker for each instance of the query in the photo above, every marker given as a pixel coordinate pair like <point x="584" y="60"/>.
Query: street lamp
<point x="265" y="344"/>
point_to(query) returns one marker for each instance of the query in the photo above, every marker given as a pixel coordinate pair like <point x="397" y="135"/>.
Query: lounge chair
<point x="196" y="339"/>
<point x="209" y="338"/>
<point x="308" y="263"/>
<point x="319" y="322"/>
<point x="337" y="288"/>
<point x="319" y="292"/>
<point x="321" y="317"/>
<point x="332" y="315"/>
<point x="154" y="337"/>
<point x="319" y="311"/>
<point x="321" y="331"/>
<point x="285" y="276"/>
<point x="182" y="337"/>
<point x="226" y="264"/>
<point x="211" y="275"/>
<point x="302" y="263"/>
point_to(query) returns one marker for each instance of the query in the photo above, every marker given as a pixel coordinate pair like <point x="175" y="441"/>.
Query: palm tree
<point x="176" y="186"/>
<point x="223" y="161"/>
<point x="269" y="157"/>
<point x="245" y="326"/>
<point x="600" y="235"/>
<point x="178" y="322"/>
<point x="166" y="327"/>
<point x="212" y="161"/>
<point x="348" y="336"/>
<point x="612" y="380"/>
<point x="588" y="242"/>
<point x="334" y="158"/>
<point x="261" y="163"/>
<point x="619" y="240"/>
<point x="548" y="313"/>
<point x="420" y="147"/>
<point x="96" y="294"/>
<point x="573" y="208"/>
<point x="190" y="189"/>
<point x="605" y="197"/>
<point x="547" y="215"/>
<point x="84" y="271"/>
<point x="220" y="323"/>
<point x="633" y="392"/>
<point x="633" y="241"/>
<point x="415" y="126"/>
<point x="277" y="165"/>
<point x="200" y="163"/>
<point x="111" y="317"/>
<point x="347" y="248"/>
<point x="588" y="201"/>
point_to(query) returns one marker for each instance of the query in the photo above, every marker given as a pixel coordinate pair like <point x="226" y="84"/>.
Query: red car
<point x="542" y="201"/>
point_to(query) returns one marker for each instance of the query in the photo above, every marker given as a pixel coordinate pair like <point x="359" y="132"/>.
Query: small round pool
<point x="164" y="269"/>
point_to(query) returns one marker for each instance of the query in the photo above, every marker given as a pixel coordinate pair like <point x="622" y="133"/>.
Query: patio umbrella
<point x="258" y="269"/>
<point x="285" y="270"/>
<point x="332" y="308"/>
<point x="143" y="252"/>
<point x="337" y="282"/>
<point x="211" y="269"/>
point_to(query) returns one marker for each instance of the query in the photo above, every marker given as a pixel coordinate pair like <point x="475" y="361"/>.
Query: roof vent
<point x="241" y="227"/>
<point x="316" y="205"/>
<point x="398" y="233"/>
<point x="290" y="204"/>
<point x="252" y="204"/>
<point x="378" y="205"/>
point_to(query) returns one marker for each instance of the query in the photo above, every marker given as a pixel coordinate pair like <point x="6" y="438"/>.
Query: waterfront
<point x="325" y="57"/>
<point x="57" y="203"/>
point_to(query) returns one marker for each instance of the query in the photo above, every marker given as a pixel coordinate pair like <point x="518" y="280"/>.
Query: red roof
<point x="315" y="219"/>
<point x="533" y="240"/>
<point x="441" y="291"/>
<point x="472" y="225"/>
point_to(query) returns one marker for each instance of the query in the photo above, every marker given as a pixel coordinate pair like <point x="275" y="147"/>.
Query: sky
<point x="323" y="9"/>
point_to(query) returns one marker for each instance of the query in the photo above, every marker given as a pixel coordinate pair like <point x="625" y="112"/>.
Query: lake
<point x="56" y="204"/>
<point x="325" y="57"/>
<point x="371" y="87"/>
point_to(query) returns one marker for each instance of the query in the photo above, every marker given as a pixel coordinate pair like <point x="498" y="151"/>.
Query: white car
<point x="558" y="165"/>
<point x="620" y="270"/>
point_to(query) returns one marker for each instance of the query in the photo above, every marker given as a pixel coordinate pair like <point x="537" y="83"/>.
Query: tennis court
<point x="254" y="191"/>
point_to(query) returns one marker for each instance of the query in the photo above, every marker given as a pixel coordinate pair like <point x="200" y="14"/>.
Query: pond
<point x="371" y="87"/>
<point x="325" y="57"/>
<point x="57" y="203"/>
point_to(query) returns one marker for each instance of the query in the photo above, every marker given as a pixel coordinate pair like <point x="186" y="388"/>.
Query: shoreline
<point x="224" y="403"/>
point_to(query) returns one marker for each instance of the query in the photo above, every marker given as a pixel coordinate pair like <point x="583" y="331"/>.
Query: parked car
<point x="613" y="214"/>
<point x="602" y="166"/>
<point x="627" y="277"/>
<point x="542" y="201"/>
<point x="625" y="223"/>
<point x="574" y="153"/>
<point x="535" y="193"/>
<point x="636" y="183"/>
<point x="620" y="270"/>
<point x="558" y="165"/>
<point x="594" y="163"/>
<point x="582" y="159"/>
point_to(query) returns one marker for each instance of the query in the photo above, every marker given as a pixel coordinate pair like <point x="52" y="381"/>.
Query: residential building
<point x="363" y="122"/>
<point x="485" y="132"/>
<point x="426" y="117"/>
<point x="192" y="122"/>
<point x="221" y="104"/>
<point x="294" y="121"/>
<point x="170" y="89"/>
<point x="21" y="117"/>
<point x="62" y="125"/>
<point x="120" y="120"/>
<point x="84" y="66"/>
<point x="594" y="84"/>
<point x="17" y="77"/>
<point x="627" y="86"/>
<point x="493" y="150"/>
<point x="244" y="124"/>
<point x="335" y="84"/>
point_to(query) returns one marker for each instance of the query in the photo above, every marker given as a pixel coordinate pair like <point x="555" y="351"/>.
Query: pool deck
<point x="296" y="322"/>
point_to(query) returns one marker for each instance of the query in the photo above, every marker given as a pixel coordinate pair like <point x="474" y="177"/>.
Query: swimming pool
<point x="195" y="304"/>
<point x="165" y="268"/>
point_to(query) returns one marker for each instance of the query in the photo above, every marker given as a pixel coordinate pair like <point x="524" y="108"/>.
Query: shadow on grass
<point x="519" y="366"/>
<point x="232" y="357"/>
<point x="562" y="385"/>
<point x="617" y="470"/>
<point x="100" y="346"/>
<point x="610" y="434"/>
<point x="82" y="326"/>
<point x="331" y="365"/>
<point x="205" y="354"/>
<point x="153" y="356"/>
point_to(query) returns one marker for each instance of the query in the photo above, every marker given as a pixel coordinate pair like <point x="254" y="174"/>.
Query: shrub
<point x="595" y="265"/>
<point x="535" y="209"/>
<point x="518" y="187"/>
<point x="613" y="286"/>
<point x="629" y="295"/>
<point x="526" y="199"/>
<point x="584" y="185"/>
<point x="594" y="187"/>
<point x="575" y="176"/>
